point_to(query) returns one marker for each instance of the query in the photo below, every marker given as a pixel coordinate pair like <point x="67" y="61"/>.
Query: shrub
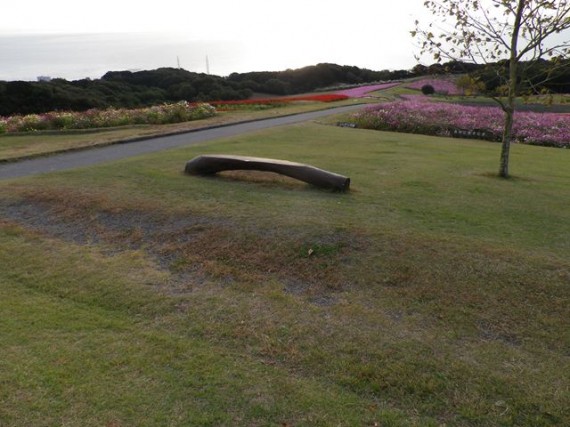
<point x="428" y="90"/>
<point x="63" y="120"/>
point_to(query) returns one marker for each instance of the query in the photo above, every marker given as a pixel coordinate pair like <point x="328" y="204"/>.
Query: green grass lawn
<point x="433" y="293"/>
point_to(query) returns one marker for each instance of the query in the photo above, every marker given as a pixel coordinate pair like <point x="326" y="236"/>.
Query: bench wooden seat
<point x="212" y="164"/>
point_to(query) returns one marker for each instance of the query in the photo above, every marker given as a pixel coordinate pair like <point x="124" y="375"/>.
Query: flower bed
<point x="413" y="116"/>
<point x="162" y="114"/>
<point x="362" y="91"/>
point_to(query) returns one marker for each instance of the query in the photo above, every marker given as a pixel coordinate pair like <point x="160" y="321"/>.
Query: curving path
<point x="89" y="157"/>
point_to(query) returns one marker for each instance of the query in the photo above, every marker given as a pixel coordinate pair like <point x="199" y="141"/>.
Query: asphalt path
<point x="98" y="155"/>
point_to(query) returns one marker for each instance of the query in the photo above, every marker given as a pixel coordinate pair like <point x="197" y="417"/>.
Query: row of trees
<point x="534" y="77"/>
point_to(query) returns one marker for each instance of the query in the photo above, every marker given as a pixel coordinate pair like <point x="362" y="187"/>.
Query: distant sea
<point x="78" y="56"/>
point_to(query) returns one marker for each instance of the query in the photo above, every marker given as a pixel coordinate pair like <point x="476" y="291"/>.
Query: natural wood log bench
<point x="211" y="164"/>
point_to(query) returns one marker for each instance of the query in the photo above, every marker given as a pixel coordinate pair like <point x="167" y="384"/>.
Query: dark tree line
<point x="539" y="76"/>
<point x="312" y="78"/>
<point x="535" y="77"/>
<point x="126" y="89"/>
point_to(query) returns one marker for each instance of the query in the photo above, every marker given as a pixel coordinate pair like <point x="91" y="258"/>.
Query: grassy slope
<point x="432" y="293"/>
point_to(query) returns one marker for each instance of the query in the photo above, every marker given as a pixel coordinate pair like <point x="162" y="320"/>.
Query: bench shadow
<point x="266" y="180"/>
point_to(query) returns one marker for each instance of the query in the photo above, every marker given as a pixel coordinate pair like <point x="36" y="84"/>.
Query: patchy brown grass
<point x="484" y="286"/>
<point x="217" y="248"/>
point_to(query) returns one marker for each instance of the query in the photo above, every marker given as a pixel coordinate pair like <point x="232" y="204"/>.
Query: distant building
<point x="44" y="79"/>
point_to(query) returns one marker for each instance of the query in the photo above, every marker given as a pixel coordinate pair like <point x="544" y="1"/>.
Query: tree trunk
<point x="506" y="145"/>
<point x="509" y="109"/>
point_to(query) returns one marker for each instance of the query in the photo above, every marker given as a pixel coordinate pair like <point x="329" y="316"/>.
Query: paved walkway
<point x="94" y="156"/>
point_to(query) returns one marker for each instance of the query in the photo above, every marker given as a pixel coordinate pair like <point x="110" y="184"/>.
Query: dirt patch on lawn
<point x="195" y="248"/>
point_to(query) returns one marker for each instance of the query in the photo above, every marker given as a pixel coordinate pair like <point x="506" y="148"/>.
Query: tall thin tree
<point x="488" y="31"/>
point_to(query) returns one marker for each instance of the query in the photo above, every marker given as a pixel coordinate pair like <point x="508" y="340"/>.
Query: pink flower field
<point x="362" y="91"/>
<point x="431" y="118"/>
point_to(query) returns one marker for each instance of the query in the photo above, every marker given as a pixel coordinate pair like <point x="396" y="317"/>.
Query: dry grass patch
<point x="183" y="242"/>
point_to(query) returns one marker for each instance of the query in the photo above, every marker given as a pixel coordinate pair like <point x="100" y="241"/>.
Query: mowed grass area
<point x="433" y="293"/>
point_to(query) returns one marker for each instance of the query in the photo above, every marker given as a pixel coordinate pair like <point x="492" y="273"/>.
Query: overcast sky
<point x="263" y="35"/>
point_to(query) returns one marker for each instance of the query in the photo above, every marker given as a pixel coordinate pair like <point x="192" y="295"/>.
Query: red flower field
<point x="279" y="101"/>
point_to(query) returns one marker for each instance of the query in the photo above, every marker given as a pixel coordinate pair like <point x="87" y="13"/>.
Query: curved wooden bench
<point x="211" y="164"/>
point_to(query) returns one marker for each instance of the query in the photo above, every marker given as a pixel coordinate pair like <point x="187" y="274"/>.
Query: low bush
<point x="428" y="90"/>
